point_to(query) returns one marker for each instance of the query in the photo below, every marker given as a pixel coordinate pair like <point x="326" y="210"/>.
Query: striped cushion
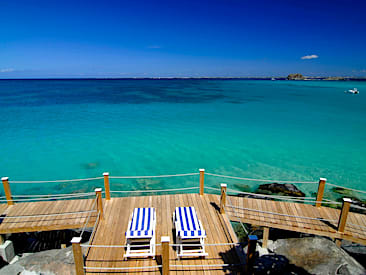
<point x="141" y="225"/>
<point x="188" y="225"/>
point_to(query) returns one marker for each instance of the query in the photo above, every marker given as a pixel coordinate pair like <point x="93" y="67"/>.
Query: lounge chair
<point x="189" y="230"/>
<point x="140" y="234"/>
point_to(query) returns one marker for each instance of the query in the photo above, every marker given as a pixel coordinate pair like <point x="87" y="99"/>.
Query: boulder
<point x="51" y="262"/>
<point x="357" y="251"/>
<point x="280" y="189"/>
<point x="317" y="255"/>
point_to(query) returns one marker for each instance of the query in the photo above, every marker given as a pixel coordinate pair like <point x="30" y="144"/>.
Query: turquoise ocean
<point x="277" y="130"/>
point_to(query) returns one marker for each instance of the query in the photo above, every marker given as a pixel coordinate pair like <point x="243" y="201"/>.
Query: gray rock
<point x="317" y="255"/>
<point x="286" y="189"/>
<point x="51" y="262"/>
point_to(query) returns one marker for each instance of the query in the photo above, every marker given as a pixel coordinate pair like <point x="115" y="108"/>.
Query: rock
<point x="357" y="251"/>
<point x="31" y="242"/>
<point x="342" y="191"/>
<point x="57" y="261"/>
<point x="317" y="255"/>
<point x="280" y="189"/>
<point x="90" y="165"/>
<point x="295" y="77"/>
<point x="241" y="187"/>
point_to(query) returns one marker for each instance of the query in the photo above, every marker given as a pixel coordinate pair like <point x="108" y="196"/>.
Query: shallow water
<point x="281" y="130"/>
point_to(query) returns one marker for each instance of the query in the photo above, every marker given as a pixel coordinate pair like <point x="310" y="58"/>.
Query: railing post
<point x="165" y="240"/>
<point x="7" y="190"/>
<point x="98" y="194"/>
<point x="265" y="237"/>
<point x="106" y="186"/>
<point x="319" y="196"/>
<point x="343" y="218"/>
<point x="223" y="198"/>
<point x="202" y="181"/>
<point x="78" y="256"/>
<point x="252" y="245"/>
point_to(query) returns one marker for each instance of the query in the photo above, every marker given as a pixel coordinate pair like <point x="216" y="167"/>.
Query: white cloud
<point x="7" y="70"/>
<point x="312" y="56"/>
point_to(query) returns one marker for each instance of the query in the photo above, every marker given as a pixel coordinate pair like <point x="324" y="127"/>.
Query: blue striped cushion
<point x="142" y="223"/>
<point x="188" y="223"/>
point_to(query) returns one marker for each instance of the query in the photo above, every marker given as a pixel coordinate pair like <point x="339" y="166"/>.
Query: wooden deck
<point x="111" y="231"/>
<point x="354" y="230"/>
<point x="38" y="222"/>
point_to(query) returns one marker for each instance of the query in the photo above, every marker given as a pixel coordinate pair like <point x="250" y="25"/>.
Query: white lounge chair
<point x="189" y="230"/>
<point x="140" y="234"/>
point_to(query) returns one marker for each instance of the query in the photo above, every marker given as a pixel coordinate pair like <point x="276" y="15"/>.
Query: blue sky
<point x="181" y="38"/>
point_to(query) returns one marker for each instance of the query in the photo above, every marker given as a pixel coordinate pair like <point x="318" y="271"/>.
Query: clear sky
<point x="181" y="38"/>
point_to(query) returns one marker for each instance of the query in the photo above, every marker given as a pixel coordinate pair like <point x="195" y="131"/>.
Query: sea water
<point x="277" y="130"/>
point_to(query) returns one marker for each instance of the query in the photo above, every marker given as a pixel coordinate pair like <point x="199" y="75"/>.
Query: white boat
<point x="273" y="78"/>
<point x="353" y="91"/>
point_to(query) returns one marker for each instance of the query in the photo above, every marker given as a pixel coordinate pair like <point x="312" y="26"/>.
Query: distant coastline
<point x="200" y="78"/>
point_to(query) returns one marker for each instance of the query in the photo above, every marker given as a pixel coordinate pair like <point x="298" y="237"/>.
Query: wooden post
<point x="265" y="237"/>
<point x="252" y="245"/>
<point x="2" y="239"/>
<point x="165" y="254"/>
<point x="78" y="256"/>
<point x="7" y="190"/>
<point x="202" y="181"/>
<point x="98" y="193"/>
<point x="343" y="218"/>
<point x="106" y="186"/>
<point x="319" y="196"/>
<point x="223" y="198"/>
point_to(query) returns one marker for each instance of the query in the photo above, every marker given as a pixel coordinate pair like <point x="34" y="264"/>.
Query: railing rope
<point x="242" y="225"/>
<point x="55" y="181"/>
<point x="159" y="176"/>
<point x="49" y="215"/>
<point x="71" y="196"/>
<point x="259" y="180"/>
<point x="154" y="190"/>
<point x="52" y="195"/>
<point x="280" y="214"/>
<point x="351" y="189"/>
<point x="122" y="268"/>
<point x="87" y="220"/>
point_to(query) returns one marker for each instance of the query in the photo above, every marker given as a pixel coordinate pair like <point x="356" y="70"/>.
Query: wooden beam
<point x="78" y="256"/>
<point x="106" y="186"/>
<point x="98" y="193"/>
<point x="265" y="237"/>
<point x="252" y="245"/>
<point x="165" y="240"/>
<point x="7" y="190"/>
<point x="223" y="198"/>
<point x="343" y="218"/>
<point x="319" y="196"/>
<point x="202" y="181"/>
